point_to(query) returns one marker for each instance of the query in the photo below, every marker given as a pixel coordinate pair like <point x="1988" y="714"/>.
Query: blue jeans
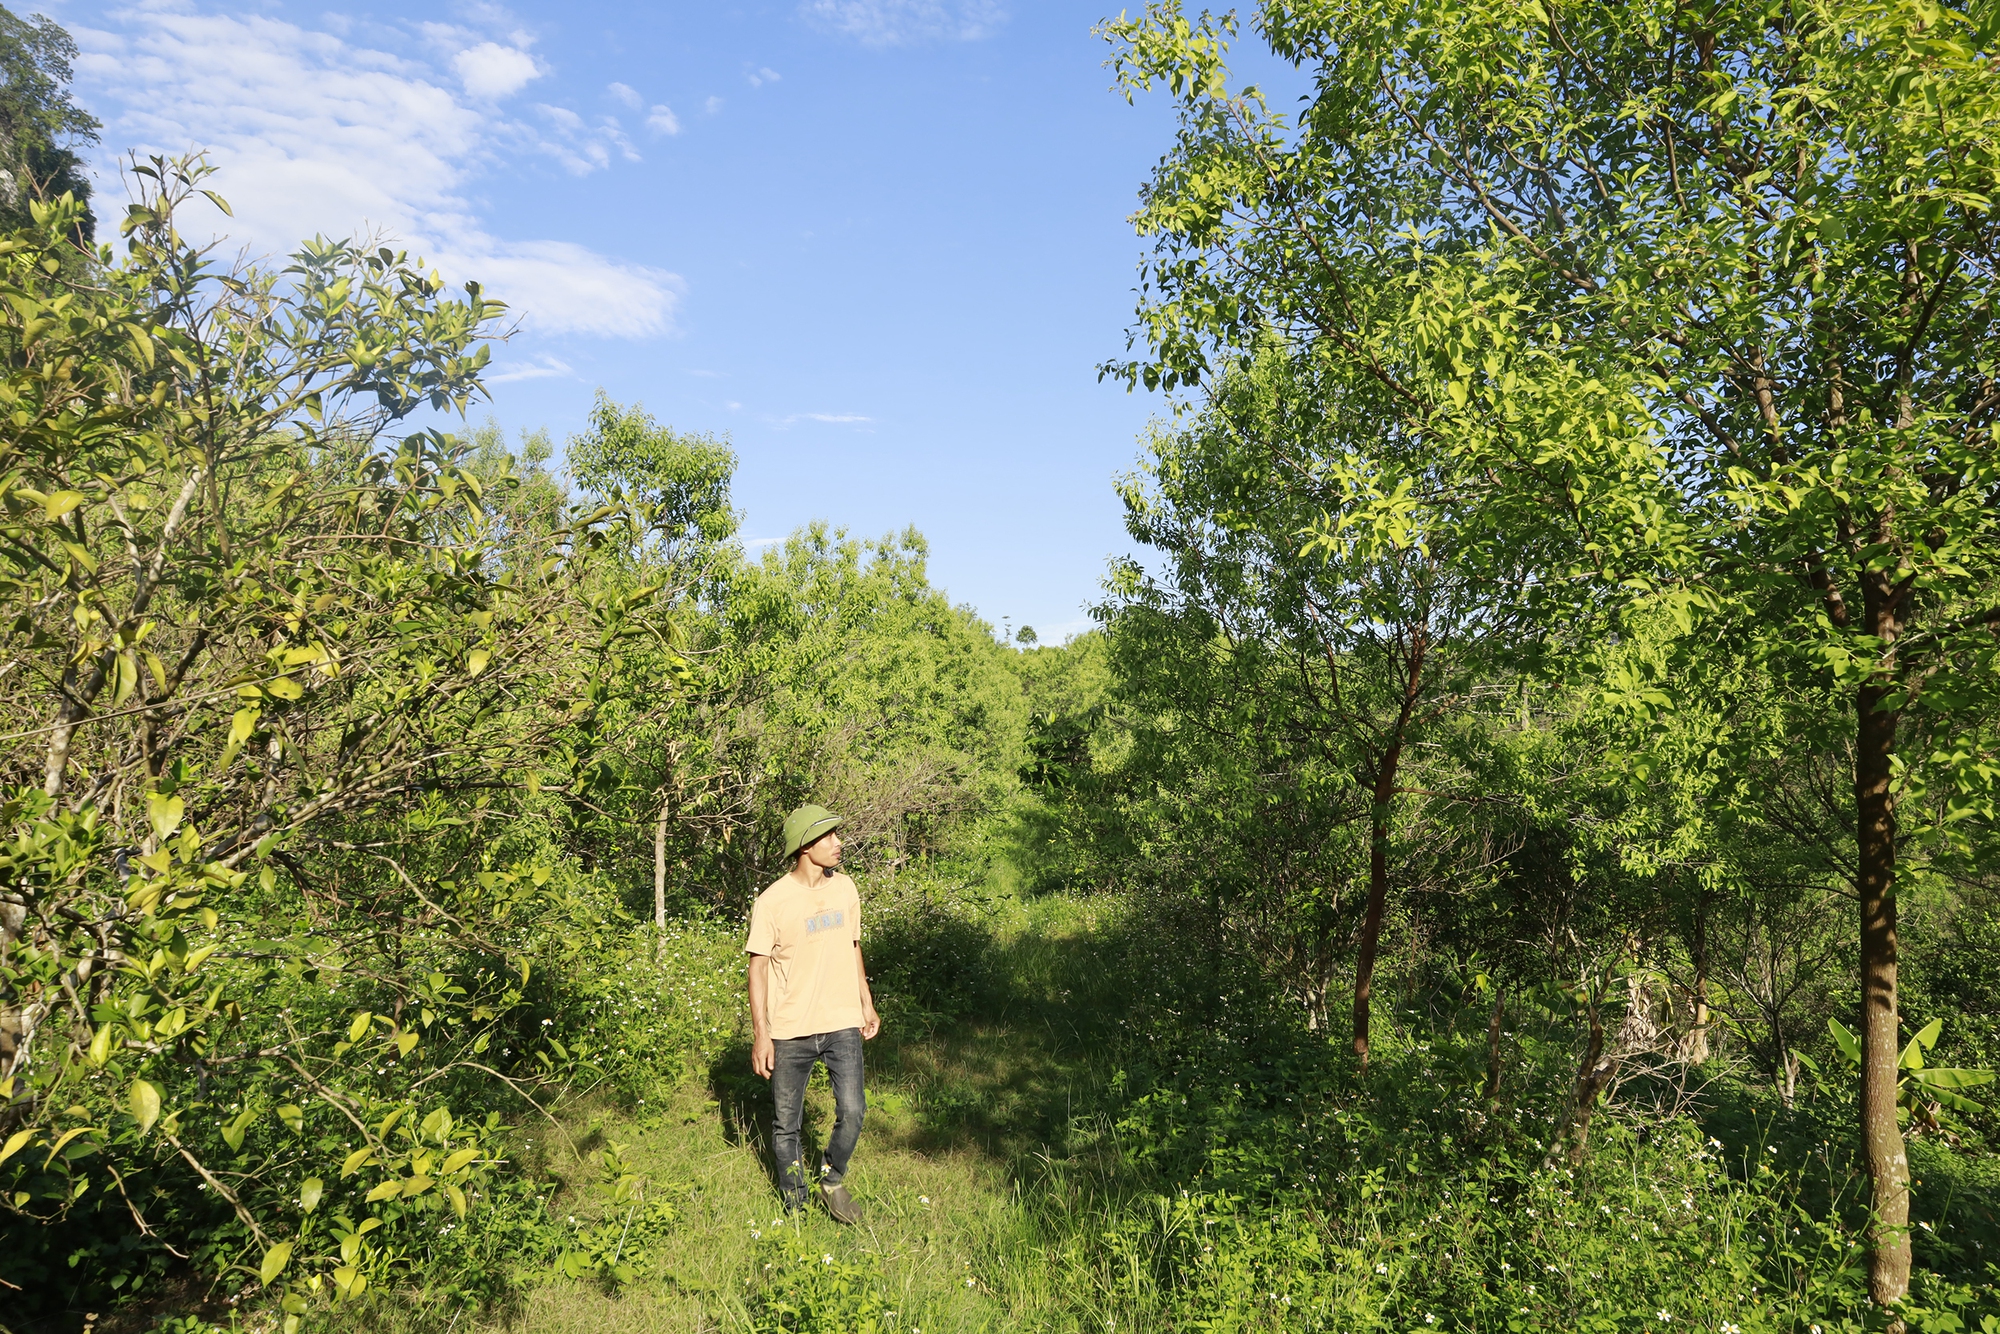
<point x="791" y="1067"/>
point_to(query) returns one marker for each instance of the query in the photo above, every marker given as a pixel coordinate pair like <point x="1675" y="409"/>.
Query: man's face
<point x="824" y="852"/>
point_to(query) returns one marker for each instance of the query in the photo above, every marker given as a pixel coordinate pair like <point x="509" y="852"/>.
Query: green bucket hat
<point x="805" y="824"/>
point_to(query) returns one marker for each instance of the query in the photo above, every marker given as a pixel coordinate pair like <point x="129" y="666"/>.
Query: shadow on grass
<point x="988" y="1045"/>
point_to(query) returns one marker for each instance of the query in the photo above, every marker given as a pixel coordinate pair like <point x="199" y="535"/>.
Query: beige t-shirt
<point x="810" y="934"/>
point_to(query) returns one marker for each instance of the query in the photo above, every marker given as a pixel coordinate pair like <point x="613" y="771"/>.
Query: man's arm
<point x="763" y="1054"/>
<point x="871" y="1023"/>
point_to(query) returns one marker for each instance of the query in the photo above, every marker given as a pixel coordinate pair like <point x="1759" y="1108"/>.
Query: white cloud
<point x="712" y="105"/>
<point x="490" y="70"/>
<point x="662" y="120"/>
<point x="757" y="78"/>
<point x="315" y="134"/>
<point x="837" y="418"/>
<point x="542" y="367"/>
<point x="626" y="93"/>
<point x="903" y="22"/>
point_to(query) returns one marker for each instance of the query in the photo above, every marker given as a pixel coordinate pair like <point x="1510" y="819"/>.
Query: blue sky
<point x="880" y="243"/>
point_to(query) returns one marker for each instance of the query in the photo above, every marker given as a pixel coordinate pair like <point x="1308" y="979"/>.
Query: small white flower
<point x="1381" y="1268"/>
<point x="969" y="1282"/>
<point x="1506" y="1268"/>
<point x="1662" y="1315"/>
<point x="1430" y="1318"/>
<point x="923" y="1199"/>
<point x="1728" y="1328"/>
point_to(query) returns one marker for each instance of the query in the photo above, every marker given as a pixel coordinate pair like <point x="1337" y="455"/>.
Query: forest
<point x="1516" y="851"/>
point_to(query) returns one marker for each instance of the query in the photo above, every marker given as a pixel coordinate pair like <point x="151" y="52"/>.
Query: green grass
<point x="1078" y="1122"/>
<point x="960" y="1113"/>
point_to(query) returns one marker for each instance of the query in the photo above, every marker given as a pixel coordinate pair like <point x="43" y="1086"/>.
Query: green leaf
<point x="309" y="1192"/>
<point x="15" y="1142"/>
<point x="1849" y="1045"/>
<point x="232" y="1134"/>
<point x="241" y="724"/>
<point x="144" y="1103"/>
<point x="62" y="1141"/>
<point x="58" y="503"/>
<point x="293" y="1117"/>
<point x="275" y="1261"/>
<point x="385" y="1190"/>
<point x="356" y="1159"/>
<point x="1927" y="1036"/>
<point x="475" y="661"/>
<point x="1950" y="1077"/>
<point x="165" y="814"/>
<point x="359" y="1026"/>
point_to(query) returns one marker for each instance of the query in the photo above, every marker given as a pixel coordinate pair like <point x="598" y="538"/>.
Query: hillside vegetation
<point x="1517" y="851"/>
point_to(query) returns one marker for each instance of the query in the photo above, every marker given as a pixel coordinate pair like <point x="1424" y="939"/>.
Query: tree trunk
<point x="1493" y="1046"/>
<point x="1378" y="849"/>
<point x="1697" y="1045"/>
<point x="1591" y="1077"/>
<point x="1378" y="895"/>
<point x="1881" y="1138"/>
<point x="660" y="868"/>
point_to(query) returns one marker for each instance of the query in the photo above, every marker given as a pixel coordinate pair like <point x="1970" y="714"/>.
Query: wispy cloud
<point x="662" y="120"/>
<point x="832" y="418"/>
<point x="905" y="22"/>
<point x="317" y="131"/>
<point x="712" y="105"/>
<point x="627" y="94"/>
<point x="758" y="76"/>
<point x="543" y="367"/>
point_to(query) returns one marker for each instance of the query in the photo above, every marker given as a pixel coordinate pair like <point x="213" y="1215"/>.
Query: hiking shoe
<point x="841" y="1206"/>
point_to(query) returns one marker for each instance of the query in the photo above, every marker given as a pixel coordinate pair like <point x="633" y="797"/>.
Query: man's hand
<point x="871" y="1023"/>
<point x="764" y="1056"/>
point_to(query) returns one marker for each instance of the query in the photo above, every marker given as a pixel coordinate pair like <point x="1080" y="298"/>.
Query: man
<point x="809" y="1002"/>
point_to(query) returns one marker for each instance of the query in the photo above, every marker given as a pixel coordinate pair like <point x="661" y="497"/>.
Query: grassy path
<point x="959" y="1118"/>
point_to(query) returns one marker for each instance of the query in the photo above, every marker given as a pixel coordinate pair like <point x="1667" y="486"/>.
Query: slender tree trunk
<point x="1881" y="1138"/>
<point x="1591" y="1077"/>
<point x="660" y="867"/>
<point x="1378" y="850"/>
<point x="1493" y="1045"/>
<point x="1697" y="1046"/>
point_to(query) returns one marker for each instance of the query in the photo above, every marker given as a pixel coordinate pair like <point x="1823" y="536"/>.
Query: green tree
<point x="40" y="127"/>
<point x="1766" y="230"/>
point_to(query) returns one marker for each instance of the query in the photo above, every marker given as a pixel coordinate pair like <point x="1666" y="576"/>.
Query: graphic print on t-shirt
<point x="825" y="921"/>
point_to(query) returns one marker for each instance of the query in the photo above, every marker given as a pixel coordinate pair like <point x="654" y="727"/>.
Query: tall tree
<point x="1769" y="227"/>
<point x="40" y="127"/>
